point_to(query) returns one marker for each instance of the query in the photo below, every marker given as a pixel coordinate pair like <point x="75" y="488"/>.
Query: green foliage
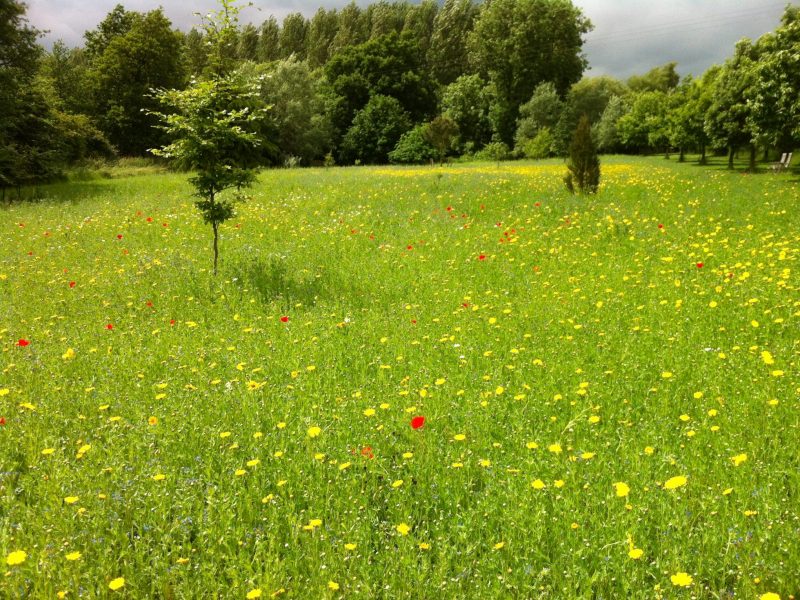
<point x="145" y="57"/>
<point x="28" y="151"/>
<point x="442" y="133"/>
<point x="221" y="38"/>
<point x="658" y="79"/>
<point x="606" y="130"/>
<point x="542" y="111"/>
<point x="774" y="96"/>
<point x="195" y="53"/>
<point x="726" y="122"/>
<point x="539" y="146"/>
<point x="351" y="29"/>
<point x="298" y="124"/>
<point x="583" y="165"/>
<point x="519" y="44"/>
<point x="293" y="36"/>
<point x="385" y="17"/>
<point x="467" y="102"/>
<point x="495" y="151"/>
<point x="413" y="147"/>
<point x="448" y="53"/>
<point x="419" y="25"/>
<point x="589" y="97"/>
<point x="269" y="40"/>
<point x="67" y="70"/>
<point x="247" y="48"/>
<point x="685" y="120"/>
<point x="645" y="125"/>
<point x="388" y="66"/>
<point x="321" y="32"/>
<point x="375" y="131"/>
<point x="116" y="24"/>
<point x="214" y="126"/>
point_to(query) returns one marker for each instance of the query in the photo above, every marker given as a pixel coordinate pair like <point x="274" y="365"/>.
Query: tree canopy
<point x="505" y="73"/>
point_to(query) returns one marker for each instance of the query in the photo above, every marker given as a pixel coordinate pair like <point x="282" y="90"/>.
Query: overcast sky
<point x="629" y="36"/>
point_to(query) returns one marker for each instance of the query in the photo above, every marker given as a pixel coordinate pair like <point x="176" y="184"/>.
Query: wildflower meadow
<point x="404" y="382"/>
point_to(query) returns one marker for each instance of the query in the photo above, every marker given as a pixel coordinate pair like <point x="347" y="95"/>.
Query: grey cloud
<point x="631" y="36"/>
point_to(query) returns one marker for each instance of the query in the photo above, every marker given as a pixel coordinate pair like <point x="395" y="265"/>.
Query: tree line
<point x="393" y="81"/>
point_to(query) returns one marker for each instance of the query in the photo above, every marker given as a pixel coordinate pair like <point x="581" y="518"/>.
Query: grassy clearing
<point x="597" y="377"/>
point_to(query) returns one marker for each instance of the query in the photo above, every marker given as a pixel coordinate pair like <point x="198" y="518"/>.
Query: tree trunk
<point x="731" y="152"/>
<point x="752" y="166"/>
<point x="703" y="154"/>
<point x="682" y="156"/>
<point x="215" y="227"/>
<point x="766" y="154"/>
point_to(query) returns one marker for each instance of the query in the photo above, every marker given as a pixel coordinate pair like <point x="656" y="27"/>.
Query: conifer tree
<point x="583" y="162"/>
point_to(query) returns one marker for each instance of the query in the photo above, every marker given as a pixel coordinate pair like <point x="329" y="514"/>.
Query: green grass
<point x="587" y="324"/>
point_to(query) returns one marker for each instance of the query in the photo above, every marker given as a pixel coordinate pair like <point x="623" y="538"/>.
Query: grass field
<point x="452" y="382"/>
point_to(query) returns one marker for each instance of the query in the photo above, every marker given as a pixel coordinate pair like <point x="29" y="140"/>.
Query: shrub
<point x="413" y="147"/>
<point x="441" y="133"/>
<point x="493" y="151"/>
<point x="375" y="131"/>
<point x="539" y="146"/>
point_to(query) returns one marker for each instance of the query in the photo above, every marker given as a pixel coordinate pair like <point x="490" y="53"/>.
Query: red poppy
<point x="417" y="422"/>
<point x="22" y="343"/>
<point x="482" y="257"/>
<point x="119" y="236"/>
<point x="409" y="247"/>
<point x="284" y="319"/>
<point x="2" y="421"/>
<point x="413" y="321"/>
<point x="537" y="204"/>
<point x="109" y="327"/>
<point x="366" y="452"/>
<point x="72" y="284"/>
<point x="699" y="265"/>
<point x="149" y="304"/>
<point x="172" y="321"/>
<point x="149" y="219"/>
<point x="661" y="226"/>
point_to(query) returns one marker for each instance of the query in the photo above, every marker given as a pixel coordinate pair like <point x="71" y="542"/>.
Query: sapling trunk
<point x="215" y="227"/>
